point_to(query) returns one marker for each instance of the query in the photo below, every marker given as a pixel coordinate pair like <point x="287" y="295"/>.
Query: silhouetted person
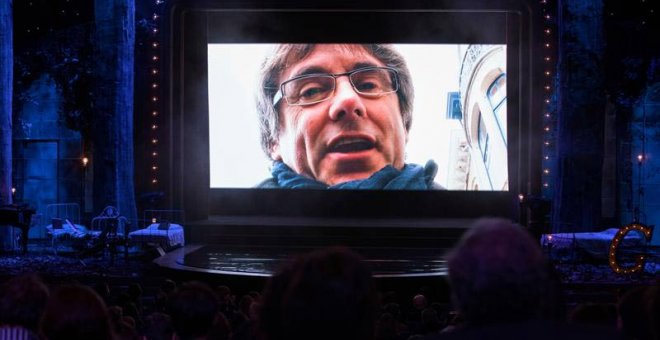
<point x="638" y="311"/>
<point x="75" y="312"/>
<point x="386" y="327"/>
<point x="393" y="309"/>
<point x="326" y="294"/>
<point x="245" y="319"/>
<point x="193" y="308"/>
<point x="504" y="289"/>
<point x="22" y="301"/>
<point x="603" y="314"/>
<point x="166" y="288"/>
<point x="414" y="319"/>
<point x="158" y="326"/>
<point x="227" y="301"/>
<point x="129" y="307"/>
<point x="123" y="326"/>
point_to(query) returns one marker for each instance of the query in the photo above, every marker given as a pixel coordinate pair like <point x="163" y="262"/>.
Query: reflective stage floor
<point x="263" y="261"/>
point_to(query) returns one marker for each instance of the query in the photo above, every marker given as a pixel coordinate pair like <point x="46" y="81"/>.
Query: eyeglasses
<point x="310" y="89"/>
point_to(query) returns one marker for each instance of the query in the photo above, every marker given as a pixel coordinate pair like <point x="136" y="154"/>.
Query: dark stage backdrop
<point x="6" y="70"/>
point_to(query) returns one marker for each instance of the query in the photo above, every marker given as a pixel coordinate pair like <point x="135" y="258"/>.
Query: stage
<point x="264" y="261"/>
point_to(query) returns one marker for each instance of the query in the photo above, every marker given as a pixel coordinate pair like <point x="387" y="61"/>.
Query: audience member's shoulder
<point x="539" y="330"/>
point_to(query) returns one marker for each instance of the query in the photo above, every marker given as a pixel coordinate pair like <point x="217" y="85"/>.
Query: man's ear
<point x="275" y="152"/>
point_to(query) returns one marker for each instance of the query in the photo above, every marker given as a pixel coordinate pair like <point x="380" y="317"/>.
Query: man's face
<point x="346" y="137"/>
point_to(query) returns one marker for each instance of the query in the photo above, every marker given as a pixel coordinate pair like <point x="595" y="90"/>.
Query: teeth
<point x="350" y="141"/>
<point x="351" y="144"/>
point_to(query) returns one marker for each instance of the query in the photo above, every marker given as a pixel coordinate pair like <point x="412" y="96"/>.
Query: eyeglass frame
<point x="280" y="92"/>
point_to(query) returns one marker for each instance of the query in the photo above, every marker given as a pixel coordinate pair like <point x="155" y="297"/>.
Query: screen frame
<point x="188" y="107"/>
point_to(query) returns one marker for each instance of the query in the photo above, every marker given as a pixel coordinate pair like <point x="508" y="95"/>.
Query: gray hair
<point x="285" y="55"/>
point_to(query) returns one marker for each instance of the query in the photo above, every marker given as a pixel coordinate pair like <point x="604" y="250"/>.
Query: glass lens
<point x="374" y="81"/>
<point x="308" y="90"/>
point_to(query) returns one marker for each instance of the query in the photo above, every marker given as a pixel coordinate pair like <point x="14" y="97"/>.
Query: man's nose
<point x="346" y="102"/>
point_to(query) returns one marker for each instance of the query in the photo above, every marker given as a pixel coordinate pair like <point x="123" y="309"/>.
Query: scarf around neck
<point x="411" y="177"/>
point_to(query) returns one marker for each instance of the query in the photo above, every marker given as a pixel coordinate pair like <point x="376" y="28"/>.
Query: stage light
<point x="640" y="158"/>
<point x="521" y="197"/>
<point x="153" y="220"/>
<point x="85" y="160"/>
<point x="13" y="191"/>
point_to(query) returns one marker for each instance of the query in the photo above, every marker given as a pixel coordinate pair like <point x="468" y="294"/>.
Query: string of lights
<point x="155" y="90"/>
<point x="549" y="24"/>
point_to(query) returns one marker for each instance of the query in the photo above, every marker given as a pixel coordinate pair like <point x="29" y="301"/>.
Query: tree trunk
<point x="113" y="119"/>
<point x="6" y="89"/>
<point x="581" y="116"/>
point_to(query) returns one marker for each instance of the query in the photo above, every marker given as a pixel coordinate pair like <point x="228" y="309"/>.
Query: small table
<point x="18" y="216"/>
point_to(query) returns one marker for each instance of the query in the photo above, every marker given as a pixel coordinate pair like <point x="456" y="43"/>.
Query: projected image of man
<point x="337" y="116"/>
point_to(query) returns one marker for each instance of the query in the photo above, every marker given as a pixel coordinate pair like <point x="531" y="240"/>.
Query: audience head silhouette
<point x="327" y="294"/>
<point x="194" y="308"/>
<point x="22" y="300"/>
<point x="75" y="312"/>
<point x="498" y="273"/>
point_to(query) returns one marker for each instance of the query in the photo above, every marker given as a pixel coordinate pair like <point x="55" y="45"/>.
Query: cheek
<point x="392" y="125"/>
<point x="392" y="122"/>
<point x="305" y="127"/>
<point x="295" y="130"/>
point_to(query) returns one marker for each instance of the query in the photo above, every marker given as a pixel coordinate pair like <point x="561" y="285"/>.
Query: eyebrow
<point x="315" y="69"/>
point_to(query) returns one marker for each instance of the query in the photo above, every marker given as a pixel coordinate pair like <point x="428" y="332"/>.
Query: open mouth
<point x="348" y="145"/>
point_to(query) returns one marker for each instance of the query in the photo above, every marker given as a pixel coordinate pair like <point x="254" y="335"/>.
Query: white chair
<point x="64" y="223"/>
<point x="164" y="229"/>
